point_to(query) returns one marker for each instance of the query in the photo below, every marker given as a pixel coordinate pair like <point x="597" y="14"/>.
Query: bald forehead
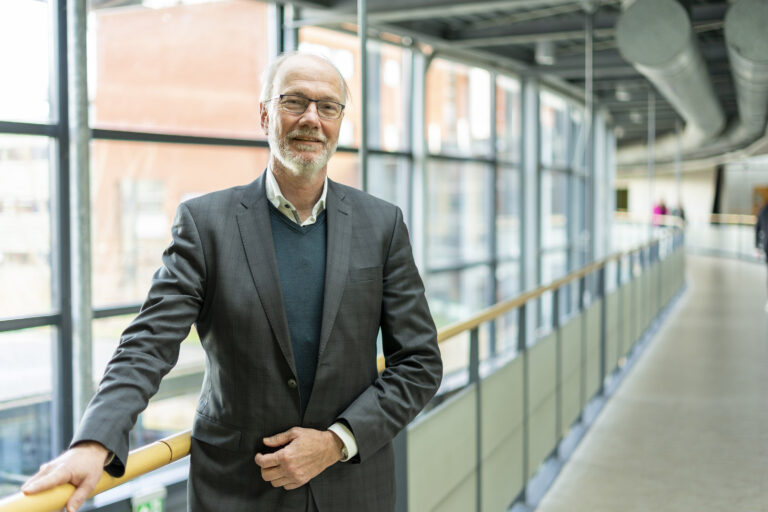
<point x="300" y="72"/>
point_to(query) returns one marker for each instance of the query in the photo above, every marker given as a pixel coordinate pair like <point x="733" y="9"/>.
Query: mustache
<point x="312" y="134"/>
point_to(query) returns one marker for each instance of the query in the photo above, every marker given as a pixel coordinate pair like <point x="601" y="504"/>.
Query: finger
<point x="46" y="481"/>
<point x="271" y="474"/>
<point x="291" y="486"/>
<point x="281" y="438"/>
<point x="80" y="495"/>
<point x="281" y="482"/>
<point x="269" y="460"/>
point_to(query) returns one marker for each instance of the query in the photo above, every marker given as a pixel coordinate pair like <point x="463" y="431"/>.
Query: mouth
<point x="307" y="139"/>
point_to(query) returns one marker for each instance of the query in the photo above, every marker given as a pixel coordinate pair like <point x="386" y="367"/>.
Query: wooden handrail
<point x="140" y="461"/>
<point x="160" y="453"/>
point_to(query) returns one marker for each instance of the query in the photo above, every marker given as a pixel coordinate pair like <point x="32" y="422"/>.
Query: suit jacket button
<point x="292" y="383"/>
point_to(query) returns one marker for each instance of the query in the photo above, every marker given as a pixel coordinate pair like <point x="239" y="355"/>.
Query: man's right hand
<point x="80" y="466"/>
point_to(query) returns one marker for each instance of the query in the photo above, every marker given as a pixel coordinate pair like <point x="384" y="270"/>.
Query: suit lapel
<point x="256" y="233"/>
<point x="336" y="260"/>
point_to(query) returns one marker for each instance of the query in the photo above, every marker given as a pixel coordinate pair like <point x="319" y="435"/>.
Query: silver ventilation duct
<point x="657" y="38"/>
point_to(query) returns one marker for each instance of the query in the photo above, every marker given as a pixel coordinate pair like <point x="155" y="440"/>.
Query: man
<point x="289" y="280"/>
<point x="761" y="236"/>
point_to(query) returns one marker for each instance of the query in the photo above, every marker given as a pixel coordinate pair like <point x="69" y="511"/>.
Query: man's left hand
<point x="305" y="453"/>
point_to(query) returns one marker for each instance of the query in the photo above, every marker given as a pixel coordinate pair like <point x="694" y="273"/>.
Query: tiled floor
<point x="688" y="428"/>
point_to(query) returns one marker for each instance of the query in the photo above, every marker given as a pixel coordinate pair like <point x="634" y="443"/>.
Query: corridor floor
<point x="687" y="430"/>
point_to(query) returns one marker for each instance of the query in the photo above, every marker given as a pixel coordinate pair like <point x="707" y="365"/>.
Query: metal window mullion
<point x="62" y="418"/>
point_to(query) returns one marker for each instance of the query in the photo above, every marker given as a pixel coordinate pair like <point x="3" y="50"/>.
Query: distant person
<point x="679" y="212"/>
<point x="659" y="211"/>
<point x="761" y="236"/>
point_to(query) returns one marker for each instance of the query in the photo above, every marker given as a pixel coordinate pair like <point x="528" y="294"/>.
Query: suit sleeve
<point x="413" y="365"/>
<point x="149" y="347"/>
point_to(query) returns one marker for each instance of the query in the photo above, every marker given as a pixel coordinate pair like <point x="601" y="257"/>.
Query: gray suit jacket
<point x="220" y="272"/>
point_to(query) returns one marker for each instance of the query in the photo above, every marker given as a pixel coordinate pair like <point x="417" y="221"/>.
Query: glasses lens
<point x="328" y="109"/>
<point x="294" y="104"/>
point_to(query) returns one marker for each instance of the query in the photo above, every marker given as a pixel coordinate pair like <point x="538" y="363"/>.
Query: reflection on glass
<point x="554" y="209"/>
<point x="191" y="67"/>
<point x="135" y="190"/>
<point x="508" y="118"/>
<point x="25" y="225"/>
<point x="25" y="49"/>
<point x="25" y="404"/>
<point x="553" y="119"/>
<point x="389" y="179"/>
<point x="458" y="212"/>
<point x="508" y="214"/>
<point x="344" y="51"/>
<point x="173" y="408"/>
<point x="458" y="109"/>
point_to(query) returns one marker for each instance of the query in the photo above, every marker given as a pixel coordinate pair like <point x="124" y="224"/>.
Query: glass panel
<point x="25" y="225"/>
<point x="389" y="179"/>
<point x="578" y="138"/>
<point x="344" y="167"/>
<point x="344" y="51"/>
<point x="553" y="118"/>
<point x="173" y="408"/>
<point x="508" y="279"/>
<point x="25" y="404"/>
<point x="458" y="109"/>
<point x="194" y="69"/>
<point x="135" y="190"/>
<point x="459" y="213"/>
<point x="508" y="118"/>
<point x="508" y="214"/>
<point x="553" y="266"/>
<point x="25" y="50"/>
<point x="388" y="102"/>
<point x="454" y="296"/>
<point x="554" y="210"/>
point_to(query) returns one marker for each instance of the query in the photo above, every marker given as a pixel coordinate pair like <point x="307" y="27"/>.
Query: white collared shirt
<point x="283" y="205"/>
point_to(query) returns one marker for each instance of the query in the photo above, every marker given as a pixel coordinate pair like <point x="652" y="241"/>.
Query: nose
<point x="310" y="115"/>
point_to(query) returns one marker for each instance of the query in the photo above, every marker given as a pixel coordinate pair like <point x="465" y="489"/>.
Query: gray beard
<point x="297" y="165"/>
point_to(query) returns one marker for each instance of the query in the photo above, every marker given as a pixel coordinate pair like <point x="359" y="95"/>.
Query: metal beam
<point x="402" y="10"/>
<point x="528" y="38"/>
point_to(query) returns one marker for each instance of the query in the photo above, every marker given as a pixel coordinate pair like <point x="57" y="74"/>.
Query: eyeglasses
<point x="295" y="104"/>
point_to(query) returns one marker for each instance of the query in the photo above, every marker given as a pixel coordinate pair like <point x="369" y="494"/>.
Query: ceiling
<point x="507" y="32"/>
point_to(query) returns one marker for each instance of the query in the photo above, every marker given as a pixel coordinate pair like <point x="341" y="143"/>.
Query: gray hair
<point x="268" y="77"/>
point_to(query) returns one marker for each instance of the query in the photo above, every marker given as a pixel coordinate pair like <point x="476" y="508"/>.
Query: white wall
<point x="697" y="192"/>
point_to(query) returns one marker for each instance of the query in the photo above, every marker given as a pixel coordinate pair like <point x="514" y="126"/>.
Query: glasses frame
<point x="309" y="100"/>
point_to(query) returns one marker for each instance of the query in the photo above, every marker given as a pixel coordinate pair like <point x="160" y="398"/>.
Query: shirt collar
<point x="278" y="200"/>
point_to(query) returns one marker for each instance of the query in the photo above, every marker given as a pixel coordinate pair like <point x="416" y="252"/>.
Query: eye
<point x="293" y="101"/>
<point x="329" y="108"/>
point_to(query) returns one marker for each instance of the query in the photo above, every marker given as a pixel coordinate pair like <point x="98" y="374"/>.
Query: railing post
<point x="620" y="308"/>
<point x="400" y="445"/>
<point x="522" y="350"/>
<point x="474" y="378"/>
<point x="603" y="323"/>
<point x="558" y="364"/>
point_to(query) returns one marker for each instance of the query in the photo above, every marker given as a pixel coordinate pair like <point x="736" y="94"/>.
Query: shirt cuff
<point x="110" y="459"/>
<point x="347" y="438"/>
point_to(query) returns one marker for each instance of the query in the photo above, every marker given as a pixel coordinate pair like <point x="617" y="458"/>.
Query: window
<point x="192" y="68"/>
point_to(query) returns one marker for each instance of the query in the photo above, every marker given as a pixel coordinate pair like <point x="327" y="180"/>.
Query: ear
<point x="264" y="115"/>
